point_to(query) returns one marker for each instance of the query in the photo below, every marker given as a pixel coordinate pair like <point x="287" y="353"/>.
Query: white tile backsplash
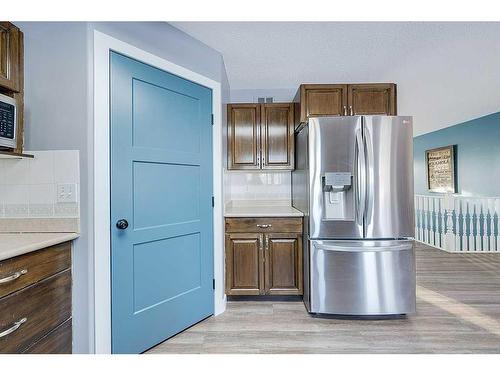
<point x="257" y="185"/>
<point x="28" y="186"/>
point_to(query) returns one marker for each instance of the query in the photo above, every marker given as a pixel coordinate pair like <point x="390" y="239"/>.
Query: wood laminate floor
<point x="458" y="311"/>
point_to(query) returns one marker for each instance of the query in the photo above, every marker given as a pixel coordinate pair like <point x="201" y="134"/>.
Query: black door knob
<point x="122" y="224"/>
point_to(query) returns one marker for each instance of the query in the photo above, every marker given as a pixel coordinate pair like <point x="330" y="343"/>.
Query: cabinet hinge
<point x="212" y="119"/>
<point x="213" y="283"/>
<point x="213" y="201"/>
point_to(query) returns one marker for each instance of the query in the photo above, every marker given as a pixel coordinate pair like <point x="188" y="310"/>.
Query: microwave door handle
<point x="360" y="178"/>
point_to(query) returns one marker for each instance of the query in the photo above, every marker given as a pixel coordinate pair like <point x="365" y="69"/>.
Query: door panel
<point x="243" y="136"/>
<point x="277" y="136"/>
<point x="244" y="264"/>
<point x="283" y="265"/>
<point x="389" y="154"/>
<point x="372" y="99"/>
<point x="161" y="182"/>
<point x="184" y="193"/>
<point x="327" y="100"/>
<point x="332" y="150"/>
<point x="173" y="115"/>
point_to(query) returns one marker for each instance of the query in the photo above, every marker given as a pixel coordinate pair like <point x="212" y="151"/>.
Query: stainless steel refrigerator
<point x="354" y="183"/>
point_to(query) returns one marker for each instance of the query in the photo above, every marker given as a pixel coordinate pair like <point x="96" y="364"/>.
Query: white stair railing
<point x="458" y="223"/>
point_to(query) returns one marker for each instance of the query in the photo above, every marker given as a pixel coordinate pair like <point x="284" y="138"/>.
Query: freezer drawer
<point x="362" y="277"/>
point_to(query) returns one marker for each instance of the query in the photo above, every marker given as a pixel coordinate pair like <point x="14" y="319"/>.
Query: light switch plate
<point x="66" y="193"/>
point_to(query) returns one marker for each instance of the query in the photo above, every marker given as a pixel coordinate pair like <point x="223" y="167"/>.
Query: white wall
<point x="57" y="118"/>
<point x="59" y="105"/>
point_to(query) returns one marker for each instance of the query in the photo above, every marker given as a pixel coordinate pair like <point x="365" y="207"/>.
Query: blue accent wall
<point x="477" y="155"/>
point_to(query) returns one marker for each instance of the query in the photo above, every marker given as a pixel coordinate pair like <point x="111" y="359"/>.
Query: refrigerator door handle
<point x="360" y="178"/>
<point x="369" y="170"/>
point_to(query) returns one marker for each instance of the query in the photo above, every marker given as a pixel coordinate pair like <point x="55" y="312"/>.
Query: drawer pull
<point x="13" y="277"/>
<point x="14" y="327"/>
<point x="264" y="225"/>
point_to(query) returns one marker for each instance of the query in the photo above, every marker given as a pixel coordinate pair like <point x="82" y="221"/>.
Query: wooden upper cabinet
<point x="10" y="56"/>
<point x="244" y="264"/>
<point x="283" y="264"/>
<point x="344" y="100"/>
<point x="260" y="136"/>
<point x="323" y="100"/>
<point x="277" y="136"/>
<point x="372" y="99"/>
<point x="243" y="132"/>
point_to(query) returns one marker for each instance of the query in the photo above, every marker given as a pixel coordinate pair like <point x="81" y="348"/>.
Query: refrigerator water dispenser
<point x="337" y="196"/>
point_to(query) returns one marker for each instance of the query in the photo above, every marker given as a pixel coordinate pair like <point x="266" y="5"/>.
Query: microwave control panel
<point x="7" y="120"/>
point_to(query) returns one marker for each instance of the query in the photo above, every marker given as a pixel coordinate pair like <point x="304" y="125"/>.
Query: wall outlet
<point x="66" y="193"/>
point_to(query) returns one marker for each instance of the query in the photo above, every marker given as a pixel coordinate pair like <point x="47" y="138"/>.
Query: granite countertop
<point x="260" y="209"/>
<point x="14" y="244"/>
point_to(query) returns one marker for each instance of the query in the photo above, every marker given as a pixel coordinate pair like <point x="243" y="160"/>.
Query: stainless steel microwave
<point x="8" y="121"/>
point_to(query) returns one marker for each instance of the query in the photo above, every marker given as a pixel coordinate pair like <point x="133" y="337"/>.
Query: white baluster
<point x="463" y="210"/>
<point x="434" y="221"/>
<point x="417" y="217"/>
<point x="432" y="210"/>
<point x="484" y="212"/>
<point x="491" y="222"/>
<point x="470" y="213"/>
<point x="458" y="237"/>
<point x="442" y="217"/>
<point x="497" y="215"/>
<point x="426" y="205"/>
<point x="477" y="224"/>
<point x="421" y="219"/>
<point x="449" y="240"/>
<point x="428" y="219"/>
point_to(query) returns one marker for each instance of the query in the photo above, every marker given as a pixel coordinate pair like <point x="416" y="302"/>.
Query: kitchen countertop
<point x="260" y="209"/>
<point x="14" y="244"/>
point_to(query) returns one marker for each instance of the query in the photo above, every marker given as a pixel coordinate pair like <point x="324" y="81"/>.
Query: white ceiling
<point x="439" y="67"/>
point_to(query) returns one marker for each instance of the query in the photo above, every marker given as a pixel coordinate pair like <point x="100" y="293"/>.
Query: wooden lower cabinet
<point x="56" y="342"/>
<point x="244" y="264"/>
<point x="263" y="262"/>
<point x="35" y="302"/>
<point x="283" y="264"/>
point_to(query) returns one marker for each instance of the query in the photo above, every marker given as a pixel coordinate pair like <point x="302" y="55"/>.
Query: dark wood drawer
<point x="33" y="267"/>
<point x="264" y="225"/>
<point x="56" y="342"/>
<point x="44" y="305"/>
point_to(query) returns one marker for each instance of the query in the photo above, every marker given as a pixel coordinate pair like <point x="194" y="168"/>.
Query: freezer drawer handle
<point x="363" y="249"/>
<point x="264" y="225"/>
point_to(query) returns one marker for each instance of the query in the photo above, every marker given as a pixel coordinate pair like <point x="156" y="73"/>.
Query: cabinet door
<point x="372" y="99"/>
<point x="243" y="134"/>
<point x="9" y="56"/>
<point x="283" y="264"/>
<point x="244" y="264"/>
<point x="277" y="136"/>
<point x="325" y="100"/>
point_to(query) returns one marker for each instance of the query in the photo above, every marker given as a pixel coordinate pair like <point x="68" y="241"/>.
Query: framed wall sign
<point x="440" y="168"/>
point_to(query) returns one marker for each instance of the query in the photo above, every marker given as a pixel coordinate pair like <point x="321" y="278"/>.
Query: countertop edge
<point x="21" y="250"/>
<point x="253" y="214"/>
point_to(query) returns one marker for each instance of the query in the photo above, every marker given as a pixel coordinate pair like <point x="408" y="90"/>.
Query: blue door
<point x="161" y="204"/>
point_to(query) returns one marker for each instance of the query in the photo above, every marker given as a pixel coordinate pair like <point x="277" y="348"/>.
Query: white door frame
<point x="102" y="238"/>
